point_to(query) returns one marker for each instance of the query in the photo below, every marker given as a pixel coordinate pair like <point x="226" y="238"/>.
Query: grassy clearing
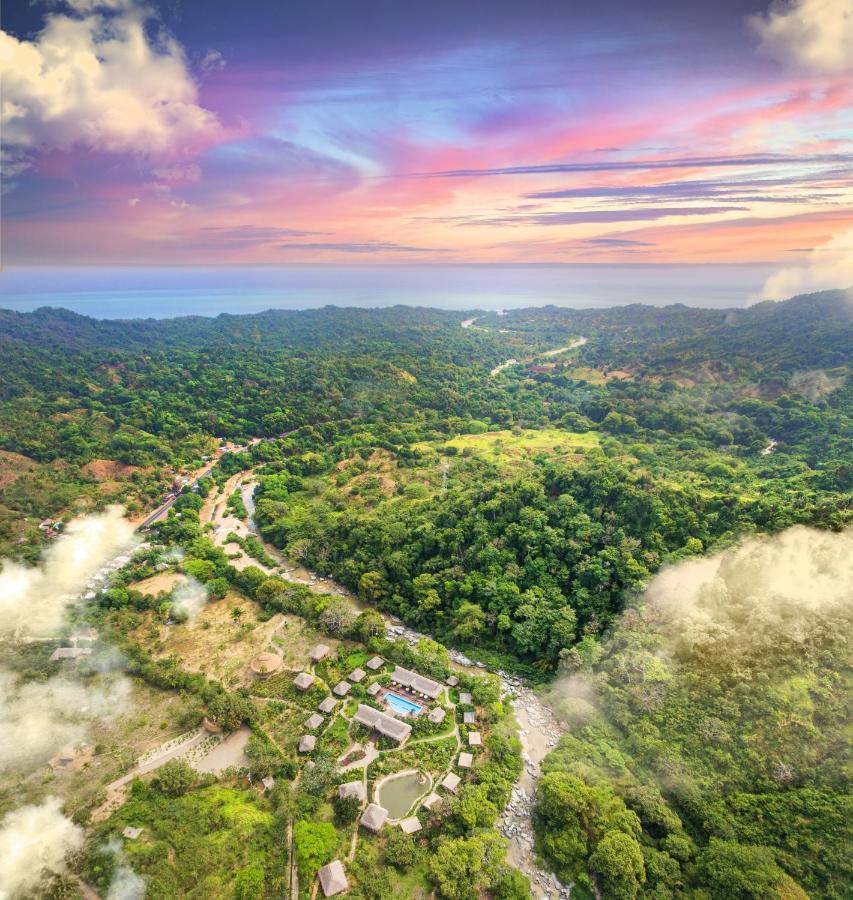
<point x="509" y="446"/>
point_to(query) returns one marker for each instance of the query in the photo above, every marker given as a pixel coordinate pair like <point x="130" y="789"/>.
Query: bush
<point x="175" y="778"/>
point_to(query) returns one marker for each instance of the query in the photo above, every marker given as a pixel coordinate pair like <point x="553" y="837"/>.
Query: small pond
<point x="397" y="794"/>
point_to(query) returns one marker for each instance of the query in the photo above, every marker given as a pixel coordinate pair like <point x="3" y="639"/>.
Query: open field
<point x="506" y="446"/>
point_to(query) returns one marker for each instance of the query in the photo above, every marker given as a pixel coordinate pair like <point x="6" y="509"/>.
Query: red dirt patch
<point x="109" y="470"/>
<point x="13" y="465"/>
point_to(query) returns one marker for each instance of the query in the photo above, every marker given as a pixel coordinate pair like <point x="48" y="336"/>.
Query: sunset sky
<point x="212" y="131"/>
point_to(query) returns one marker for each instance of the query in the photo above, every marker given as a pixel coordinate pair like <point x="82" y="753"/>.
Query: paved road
<point x="161" y="511"/>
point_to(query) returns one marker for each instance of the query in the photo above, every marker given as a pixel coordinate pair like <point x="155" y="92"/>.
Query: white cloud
<point x="816" y="35"/>
<point x="95" y="77"/>
<point x="36" y="842"/>
<point x="829" y="266"/>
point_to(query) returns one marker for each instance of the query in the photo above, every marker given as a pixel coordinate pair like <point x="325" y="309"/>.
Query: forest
<point x="522" y="512"/>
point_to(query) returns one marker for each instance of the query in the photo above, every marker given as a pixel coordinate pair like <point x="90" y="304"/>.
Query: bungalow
<point x="70" y="653"/>
<point x="319" y="652"/>
<point x="353" y="789"/>
<point x="430" y="801"/>
<point x="375" y="664"/>
<point x="474" y="739"/>
<point x="465" y="699"/>
<point x="374" y="689"/>
<point x="384" y="724"/>
<point x="357" y="675"/>
<point x="452" y="681"/>
<point x="314" y="721"/>
<point x="303" y="681"/>
<point x="469" y="717"/>
<point x="410" y="825"/>
<point x="341" y="689"/>
<point x="418" y="684"/>
<point x="465" y="760"/>
<point x="328" y="705"/>
<point x="451" y="782"/>
<point x="437" y="715"/>
<point x="373" y="818"/>
<point x="307" y="743"/>
<point x="333" y="879"/>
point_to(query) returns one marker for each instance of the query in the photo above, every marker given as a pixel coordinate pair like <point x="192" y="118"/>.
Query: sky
<point x="206" y="132"/>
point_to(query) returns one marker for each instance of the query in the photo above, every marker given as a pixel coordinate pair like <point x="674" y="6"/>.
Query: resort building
<point x="341" y="689"/>
<point x="265" y="664"/>
<point x="384" y="724"/>
<point x="70" y="653"/>
<point x="410" y="825"/>
<point x="469" y="717"/>
<point x="451" y="782"/>
<point x="307" y="743"/>
<point x="374" y="689"/>
<point x="357" y="675"/>
<point x="303" y="681"/>
<point x="315" y="720"/>
<point x="437" y="715"/>
<point x="375" y="664"/>
<point x="430" y="801"/>
<point x="453" y="681"/>
<point x="465" y="699"/>
<point x="353" y="789"/>
<point x="373" y="818"/>
<point x="321" y="651"/>
<point x="465" y="760"/>
<point x="474" y="739"/>
<point x="333" y="879"/>
<point x="417" y="684"/>
<point x="328" y="705"/>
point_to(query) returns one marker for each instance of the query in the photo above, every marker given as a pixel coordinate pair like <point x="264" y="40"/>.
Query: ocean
<point x="127" y="293"/>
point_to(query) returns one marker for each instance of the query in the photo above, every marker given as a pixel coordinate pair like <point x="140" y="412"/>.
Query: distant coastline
<point x="119" y="293"/>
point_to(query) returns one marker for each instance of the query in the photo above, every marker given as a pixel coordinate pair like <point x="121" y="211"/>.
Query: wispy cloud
<point x="361" y="247"/>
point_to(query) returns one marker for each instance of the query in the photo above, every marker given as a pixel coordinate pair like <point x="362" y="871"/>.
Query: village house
<point x="353" y="789"/>
<point x="327" y="705"/>
<point x="307" y="743"/>
<point x="451" y="782"/>
<point x="383" y="723"/>
<point x="437" y="715"/>
<point x="474" y="739"/>
<point x="373" y="818"/>
<point x="452" y="681"/>
<point x="70" y="653"/>
<point x="374" y="689"/>
<point x="465" y="699"/>
<point x="314" y="721"/>
<point x="417" y="684"/>
<point x="341" y="689"/>
<point x="430" y="801"/>
<point x="357" y="676"/>
<point x="333" y="879"/>
<point x="303" y="681"/>
<point x="319" y="652"/>
<point x="375" y="663"/>
<point x="410" y="825"/>
<point x="465" y="760"/>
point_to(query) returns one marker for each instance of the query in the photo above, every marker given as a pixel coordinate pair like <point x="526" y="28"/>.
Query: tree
<point x="464" y="867"/>
<point x="175" y="777"/>
<point x="473" y="809"/>
<point x="511" y="885"/>
<point x="369" y="624"/>
<point x="337" y="617"/>
<point x="229" y="711"/>
<point x="400" y="850"/>
<point x="733" y="871"/>
<point x="346" y="809"/>
<point x="217" y="588"/>
<point x="618" y="863"/>
<point x="315" y="844"/>
<point x="249" y="883"/>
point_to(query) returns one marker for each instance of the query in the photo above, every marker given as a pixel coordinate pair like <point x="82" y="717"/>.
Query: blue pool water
<point x="402" y="705"/>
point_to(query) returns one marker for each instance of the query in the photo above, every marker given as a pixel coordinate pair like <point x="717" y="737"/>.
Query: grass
<point x="510" y="446"/>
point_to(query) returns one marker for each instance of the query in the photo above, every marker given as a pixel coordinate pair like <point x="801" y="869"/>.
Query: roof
<point x="474" y="739"/>
<point x="415" y="682"/>
<point x="375" y="663"/>
<point x="410" y="825"/>
<point x="306" y="743"/>
<point x="70" y="652"/>
<point x="328" y="705"/>
<point x="465" y="698"/>
<point x="382" y="722"/>
<point x="265" y="663"/>
<point x="357" y="675"/>
<point x="465" y="760"/>
<point x="437" y="714"/>
<point x="333" y="879"/>
<point x="353" y="789"/>
<point x="374" y="689"/>
<point x="373" y="818"/>
<point x="303" y="681"/>
<point x="268" y="783"/>
<point x="469" y="717"/>
<point x="451" y="782"/>
<point x="452" y="680"/>
<point x="315" y="720"/>
<point x="131" y="832"/>
<point x="430" y="801"/>
<point x="321" y="651"/>
<point x="341" y="689"/>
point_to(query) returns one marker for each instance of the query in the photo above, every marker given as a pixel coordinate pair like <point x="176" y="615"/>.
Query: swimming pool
<point x="402" y="705"/>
